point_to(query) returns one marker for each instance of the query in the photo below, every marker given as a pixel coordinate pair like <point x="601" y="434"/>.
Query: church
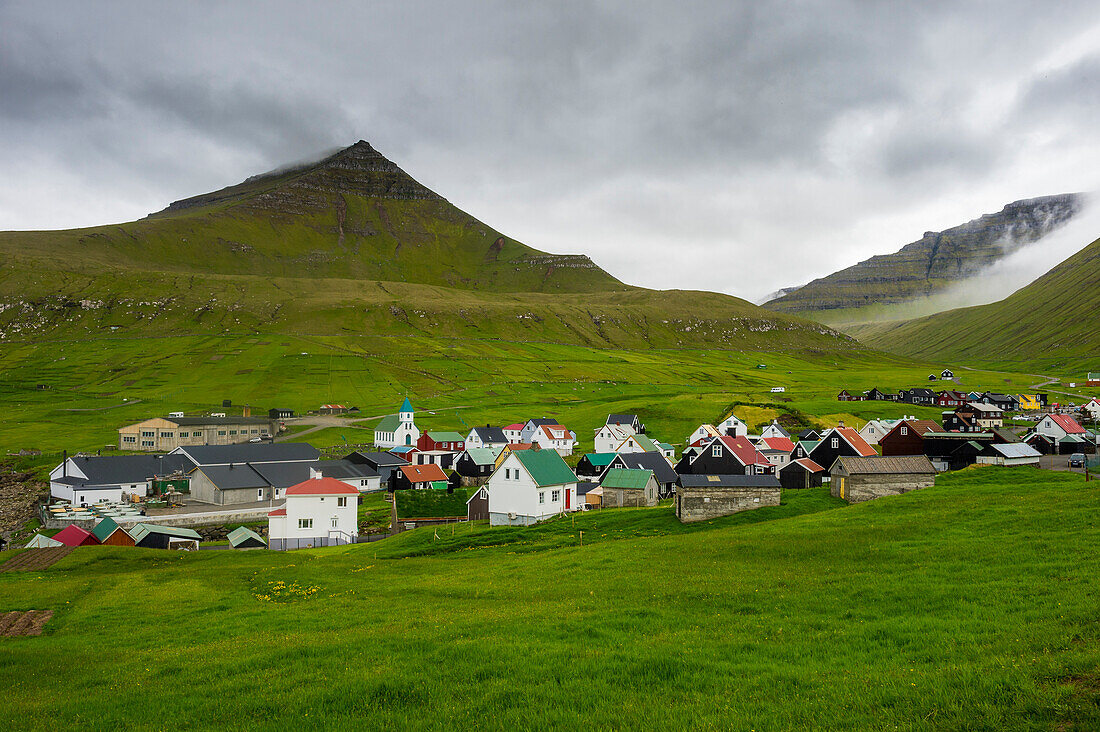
<point x="397" y="430"/>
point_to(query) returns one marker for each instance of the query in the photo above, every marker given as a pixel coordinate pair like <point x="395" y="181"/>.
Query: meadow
<point x="969" y="605"/>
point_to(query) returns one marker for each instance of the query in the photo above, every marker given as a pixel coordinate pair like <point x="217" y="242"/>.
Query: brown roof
<point x="422" y="473"/>
<point x="885" y="465"/>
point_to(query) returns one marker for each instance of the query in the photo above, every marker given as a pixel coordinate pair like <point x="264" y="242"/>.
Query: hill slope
<point x="1051" y="322"/>
<point x="934" y="262"/>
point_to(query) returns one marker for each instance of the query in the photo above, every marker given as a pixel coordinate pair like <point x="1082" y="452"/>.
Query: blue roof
<point x="406" y="406"/>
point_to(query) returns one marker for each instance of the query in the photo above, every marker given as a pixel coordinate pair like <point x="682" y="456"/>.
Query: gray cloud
<point x="775" y="143"/>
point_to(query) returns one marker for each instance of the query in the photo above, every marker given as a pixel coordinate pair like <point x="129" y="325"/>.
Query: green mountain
<point x="349" y="244"/>
<point x="1050" y="323"/>
<point x="927" y="266"/>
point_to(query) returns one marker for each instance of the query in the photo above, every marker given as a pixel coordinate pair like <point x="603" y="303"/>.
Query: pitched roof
<point x="1067" y="423"/>
<point x="105" y="528"/>
<point x="652" y="461"/>
<point x="808" y="465"/>
<point x="783" y="444"/>
<point x="272" y="452"/>
<point x="119" y="469"/>
<point x="645" y="443"/>
<point x="484" y="455"/>
<point x="445" y="436"/>
<point x="546" y="467"/>
<point x="743" y="450"/>
<point x="514" y="427"/>
<point x="200" y="421"/>
<point x="729" y="481"/>
<point x="885" y="465"/>
<point x="234" y="477"/>
<point x="621" y="419"/>
<point x="323" y="486"/>
<point x="243" y="534"/>
<point x="627" y="479"/>
<point x="490" y="434"/>
<point x="423" y="473"/>
<point x="776" y="426"/>
<point x="278" y="512"/>
<point x="141" y="530"/>
<point x="389" y="423"/>
<point x="406" y="406"/>
<point x="73" y="535"/>
<point x="599" y="459"/>
<point x="1016" y="450"/>
<point x="555" y="432"/>
<point x="979" y="407"/>
<point x="377" y="459"/>
<point x="853" y="438"/>
<point x="43" y="542"/>
<point x="540" y="421"/>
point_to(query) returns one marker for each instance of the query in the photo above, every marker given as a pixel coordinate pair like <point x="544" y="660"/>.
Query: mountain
<point x="350" y="243"/>
<point x="931" y="264"/>
<point x="1051" y="323"/>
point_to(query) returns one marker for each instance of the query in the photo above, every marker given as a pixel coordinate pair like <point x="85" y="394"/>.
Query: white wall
<point x="322" y="509"/>
<point x="519" y="494"/>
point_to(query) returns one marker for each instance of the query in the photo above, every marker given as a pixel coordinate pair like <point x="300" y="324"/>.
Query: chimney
<point x="64" y="463"/>
<point x="841" y="423"/>
<point x="314" y="474"/>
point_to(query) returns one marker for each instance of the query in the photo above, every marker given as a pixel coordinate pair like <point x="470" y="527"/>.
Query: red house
<point x="950" y="399"/>
<point x="445" y="441"/>
<point x="907" y="437"/>
<point x="73" y="535"/>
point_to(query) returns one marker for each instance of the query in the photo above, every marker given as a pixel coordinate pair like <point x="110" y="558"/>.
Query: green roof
<point x="647" y="444"/>
<point x="484" y="455"/>
<point x="439" y="485"/>
<point x="1072" y="438"/>
<point x="242" y="534"/>
<point x="665" y="445"/>
<point x="600" y="459"/>
<point x="630" y="479"/>
<point x="546" y="467"/>
<point x="446" y="437"/>
<point x="809" y="445"/>
<point x="105" y="528"/>
<point x="141" y="530"/>
<point x="388" y="424"/>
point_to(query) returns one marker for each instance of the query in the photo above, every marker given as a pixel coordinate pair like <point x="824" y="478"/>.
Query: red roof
<point x="779" y="443"/>
<point x="517" y="426"/>
<point x="422" y="473"/>
<point x="520" y="446"/>
<point x="322" y="487"/>
<point x="1068" y="423"/>
<point x="744" y="450"/>
<point x="73" y="535"/>
<point x="810" y="465"/>
<point x="549" y="429"/>
<point x="278" y="512"/>
<point x="858" y="443"/>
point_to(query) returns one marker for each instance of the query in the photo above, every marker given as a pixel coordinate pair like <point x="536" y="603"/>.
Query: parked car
<point x="1077" y="460"/>
<point x="255" y="439"/>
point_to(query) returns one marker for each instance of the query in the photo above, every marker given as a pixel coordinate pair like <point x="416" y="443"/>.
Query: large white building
<point x="318" y="512"/>
<point x="397" y="430"/>
<point x="529" y="486"/>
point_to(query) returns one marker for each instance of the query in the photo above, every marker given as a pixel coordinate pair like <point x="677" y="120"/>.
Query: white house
<point x="529" y="486"/>
<point x="733" y="427"/>
<point x="1017" y="453"/>
<point x="531" y="426"/>
<point x="1092" y="408"/>
<point x="318" y="512"/>
<point x="486" y="436"/>
<point x="637" y="443"/>
<point x="1058" y="426"/>
<point x="554" y="437"/>
<point x="88" y="479"/>
<point x="610" y="436"/>
<point x="514" y="433"/>
<point x="774" y="430"/>
<point x="876" y="429"/>
<point x="397" y="430"/>
<point x="703" y="433"/>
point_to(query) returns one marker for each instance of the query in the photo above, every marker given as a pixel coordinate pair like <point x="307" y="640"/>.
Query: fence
<point x="283" y="545"/>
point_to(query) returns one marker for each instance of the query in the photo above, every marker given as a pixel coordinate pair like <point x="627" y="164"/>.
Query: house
<point x="628" y="489"/>
<point x="1019" y="453"/>
<point x="514" y="433"/>
<point x="527" y="432"/>
<point x="878" y="396"/>
<point x="397" y="430"/>
<point x="837" y="442"/>
<point x="332" y="409"/>
<point x="950" y="399"/>
<point x="637" y="443"/>
<point x="486" y="437"/>
<point x="726" y="456"/>
<point x="974" y="417"/>
<point x="857" y="479"/>
<point x="1004" y="402"/>
<point x="277" y="414"/>
<point x="707" y="496"/>
<point x="1058" y="426"/>
<point x="610" y="436"/>
<point x="477" y="506"/>
<point x="1042" y="444"/>
<point x="478" y="462"/>
<point x="844" y="396"/>
<point x="512" y="447"/>
<point x="774" y="430"/>
<point x="1092" y="378"/>
<point x="73" y="535"/>
<point x="318" y="512"/>
<point x="733" y="427"/>
<point x="594" y="463"/>
<point x="153" y="536"/>
<point x="108" y="532"/>
<point x="808" y="434"/>
<point x="441" y="448"/>
<point x="554" y="437"/>
<point x="243" y="537"/>
<point x="955" y="450"/>
<point x="801" y="473"/>
<point x="931" y="377"/>
<point x="776" y="449"/>
<point x="89" y="479"/>
<point x="803" y="448"/>
<point x="920" y="395"/>
<point x="529" y="486"/>
<point x="162" y="435"/>
<point x="703" y="433"/>
<point x="947" y="374"/>
<point x="1029" y="402"/>
<point x="653" y="462"/>
<point x="907" y="437"/>
<point x="874" y="430"/>
<point x="383" y="463"/>
<point x="416" y="477"/>
<point x="1092" y="409"/>
<point x="668" y="450"/>
<point x="589" y="495"/>
<point x="626" y="420"/>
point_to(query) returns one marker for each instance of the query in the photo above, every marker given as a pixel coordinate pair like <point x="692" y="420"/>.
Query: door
<point x="568" y="497"/>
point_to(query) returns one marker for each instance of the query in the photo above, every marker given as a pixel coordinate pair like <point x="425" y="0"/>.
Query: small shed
<point x="243" y="537"/>
<point x="703" y="497"/>
<point x="857" y="479"/>
<point x="801" y="473"/>
<point x="152" y="536"/>
<point x="109" y="532"/>
<point x="477" y="508"/>
<point x="43" y="542"/>
<point x="73" y="535"/>
<point x="623" y="488"/>
<point x="1017" y="453"/>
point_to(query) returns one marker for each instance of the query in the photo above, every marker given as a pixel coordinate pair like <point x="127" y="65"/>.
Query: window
<point x="148" y="434"/>
<point x="507" y="473"/>
<point x="147" y="443"/>
<point x="716" y="451"/>
<point x="259" y="494"/>
<point x="542" y="497"/>
<point x="232" y="432"/>
<point x="555" y="496"/>
<point x="835" y="442"/>
<point x="334" y="524"/>
<point x="341" y="502"/>
<point x="196" y="433"/>
<point x="167" y="434"/>
<point x="129" y="438"/>
<point x="255" y="432"/>
<point x="221" y="433"/>
<point x="305" y="523"/>
<point x="904" y="430"/>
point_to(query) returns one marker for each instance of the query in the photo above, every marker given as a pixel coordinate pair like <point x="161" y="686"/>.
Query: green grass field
<point x="970" y="605"/>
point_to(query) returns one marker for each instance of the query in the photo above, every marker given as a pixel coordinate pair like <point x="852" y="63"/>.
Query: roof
<point x="440" y="485"/>
<point x="241" y="534"/>
<point x="484" y="455"/>
<point x="743" y="450"/>
<point x="271" y="452"/>
<point x="979" y="407"/>
<point x="73" y="535"/>
<point x="140" y="531"/>
<point x="43" y="542"/>
<point x="853" y="438"/>
<point x="517" y="446"/>
<point x="324" y="486"/>
<point x="514" y="427"/>
<point x="445" y="436"/>
<point x="776" y="426"/>
<point x="729" y="481"/>
<point x="808" y="445"/>
<point x="340" y="469"/>
<point x="885" y="465"/>
<point x="278" y="512"/>
<point x="1067" y="423"/>
<point x="782" y="444"/>
<point x="490" y="434"/>
<point x="389" y="423"/>
<point x="652" y="461"/>
<point x="546" y="467"/>
<point x="628" y="479"/>
<point x="406" y="406"/>
<point x="119" y="469"/>
<point x="622" y="419"/>
<point x="105" y="528"/>
<point x="550" y="429"/>
<point x="199" y="421"/>
<point x="1016" y="450"/>
<point x="234" y="477"/>
<point x="423" y="473"/>
<point x="645" y="443"/>
<point x="806" y="463"/>
<point x="599" y="459"/>
<point x="377" y="459"/>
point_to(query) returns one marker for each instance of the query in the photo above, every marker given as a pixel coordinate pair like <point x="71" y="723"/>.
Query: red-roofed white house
<point x="1092" y="408"/>
<point x="1057" y="426"/>
<point x="318" y="512"/>
<point x="554" y="437"/>
<point x="514" y="433"/>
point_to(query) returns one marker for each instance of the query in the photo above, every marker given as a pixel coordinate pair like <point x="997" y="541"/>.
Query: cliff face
<point x="936" y="260"/>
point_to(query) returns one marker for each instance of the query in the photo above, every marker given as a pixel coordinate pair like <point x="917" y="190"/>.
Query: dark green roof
<point x="105" y="528"/>
<point x="629" y="479"/>
<point x="241" y="534"/>
<point x="546" y="467"/>
<point x="600" y="458"/>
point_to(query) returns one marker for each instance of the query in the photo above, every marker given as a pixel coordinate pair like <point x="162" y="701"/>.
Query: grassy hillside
<point x="971" y="605"/>
<point x="927" y="266"/>
<point x="1050" y="324"/>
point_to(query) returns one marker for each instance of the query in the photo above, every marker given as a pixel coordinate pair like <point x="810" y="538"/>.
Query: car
<point x="1077" y="460"/>
<point x="255" y="439"/>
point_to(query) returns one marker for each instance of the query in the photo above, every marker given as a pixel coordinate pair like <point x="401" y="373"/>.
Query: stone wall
<point x="867" y="487"/>
<point x="701" y="504"/>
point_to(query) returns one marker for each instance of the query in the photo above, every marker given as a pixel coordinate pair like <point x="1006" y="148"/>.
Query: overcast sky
<point x="729" y="146"/>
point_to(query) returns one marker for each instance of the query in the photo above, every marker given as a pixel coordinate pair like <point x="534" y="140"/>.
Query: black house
<point x="920" y="395"/>
<point x="476" y="463"/>
<point x="1004" y="402"/>
<point x="725" y="456"/>
<point x="837" y="442"/>
<point x="384" y="463"/>
<point x="280" y="413"/>
<point x="876" y="395"/>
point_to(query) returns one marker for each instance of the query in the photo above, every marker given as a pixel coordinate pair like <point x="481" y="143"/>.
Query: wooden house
<point x="947" y="374"/>
<point x="529" y="486"/>
<point x="416" y="477"/>
<point x="486" y="436"/>
<point x="726" y="456"/>
<point x="907" y="437"/>
<point x="440" y="441"/>
<point x="1003" y="402"/>
<point x="477" y="507"/>
<point x="950" y="399"/>
<point x="73" y="535"/>
<point x="839" y="442"/>
<point x="478" y="462"/>
<point x="594" y="464"/>
<point x="801" y="473"/>
<point x="705" y="496"/>
<point x="775" y="430"/>
<point x="107" y="531"/>
<point x="857" y="479"/>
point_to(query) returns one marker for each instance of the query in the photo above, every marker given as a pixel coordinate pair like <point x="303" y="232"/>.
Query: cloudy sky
<point x="729" y="146"/>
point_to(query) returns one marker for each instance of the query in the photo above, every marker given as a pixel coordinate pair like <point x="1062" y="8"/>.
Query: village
<point x="200" y="470"/>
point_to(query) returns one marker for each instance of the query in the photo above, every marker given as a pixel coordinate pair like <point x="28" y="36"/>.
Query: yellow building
<point x="1030" y="402"/>
<point x="161" y="435"/>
